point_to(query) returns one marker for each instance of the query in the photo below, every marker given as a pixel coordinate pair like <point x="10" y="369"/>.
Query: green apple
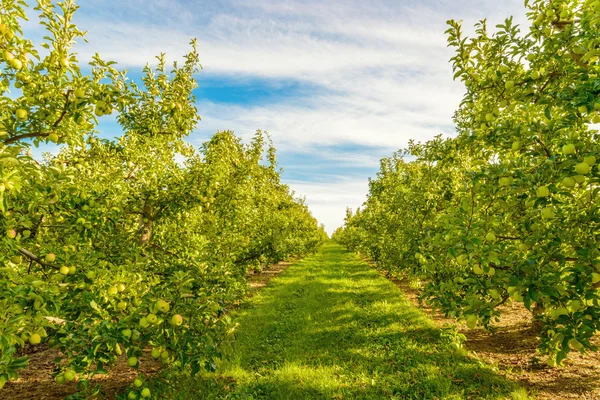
<point x="595" y="277"/>
<point x="495" y="294"/>
<point x="505" y="181"/>
<point x="590" y="160"/>
<point x="79" y="93"/>
<point x="509" y="85"/>
<point x="477" y="269"/>
<point x="132" y="361"/>
<point x="162" y="306"/>
<point x="568" y="182"/>
<point x="138" y="382"/>
<point x="50" y="258"/>
<point x="490" y="237"/>
<point x="516" y="145"/>
<point x="582" y="109"/>
<point x="548" y="212"/>
<point x="489" y="117"/>
<point x="135" y="334"/>
<point x="152" y="318"/>
<point x="503" y="69"/>
<point x="126" y="333"/>
<point x="21" y="114"/>
<point x="542" y="191"/>
<point x="60" y="379"/>
<point x="176" y="320"/>
<point x="72" y="269"/>
<point x="121" y="305"/>
<point x="35" y="339"/>
<point x="155" y="352"/>
<point x="164" y="355"/>
<point x="535" y="74"/>
<point x="132" y="396"/>
<point x="582" y="168"/>
<point x="112" y="291"/>
<point x="69" y="375"/>
<point x="145" y="392"/>
<point x="579" y="179"/>
<point x="16" y="63"/>
<point x="121" y="287"/>
<point x="91" y="275"/>
<point x="532" y="56"/>
<point x="53" y="137"/>
<point x="596" y="119"/>
<point x="64" y="270"/>
<point x="26" y="233"/>
<point x="144" y="322"/>
<point x="472" y="321"/>
<point x="568" y="149"/>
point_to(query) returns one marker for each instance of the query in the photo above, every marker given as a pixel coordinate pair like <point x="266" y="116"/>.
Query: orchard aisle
<point x="331" y="327"/>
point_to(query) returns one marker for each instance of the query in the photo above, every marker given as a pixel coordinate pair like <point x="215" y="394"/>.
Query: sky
<point x="337" y="84"/>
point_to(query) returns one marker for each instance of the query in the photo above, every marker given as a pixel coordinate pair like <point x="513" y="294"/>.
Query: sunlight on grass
<point x="332" y="328"/>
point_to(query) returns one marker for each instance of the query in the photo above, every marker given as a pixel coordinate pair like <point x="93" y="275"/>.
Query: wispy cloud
<point x="378" y="73"/>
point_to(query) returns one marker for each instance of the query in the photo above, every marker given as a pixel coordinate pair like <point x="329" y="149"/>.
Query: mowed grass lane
<point x="330" y="327"/>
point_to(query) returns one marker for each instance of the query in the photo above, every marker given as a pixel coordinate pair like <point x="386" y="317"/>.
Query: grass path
<point x="330" y="327"/>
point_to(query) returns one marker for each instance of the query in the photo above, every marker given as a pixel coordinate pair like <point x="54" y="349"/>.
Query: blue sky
<point x="337" y="84"/>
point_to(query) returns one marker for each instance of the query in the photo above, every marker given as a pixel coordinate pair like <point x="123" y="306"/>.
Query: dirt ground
<point x="512" y="348"/>
<point x="36" y="382"/>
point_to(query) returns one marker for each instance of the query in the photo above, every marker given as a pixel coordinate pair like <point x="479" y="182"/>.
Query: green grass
<point x="330" y="327"/>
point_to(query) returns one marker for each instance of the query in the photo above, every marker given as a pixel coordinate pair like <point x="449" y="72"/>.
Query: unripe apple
<point x="472" y="321"/>
<point x="568" y="149"/>
<point x="8" y="56"/>
<point x="568" y="182"/>
<point x="21" y="114"/>
<point x="112" y="291"/>
<point x="162" y="306"/>
<point x="152" y="318"/>
<point x="477" y="269"/>
<point x="490" y="237"/>
<point x="145" y="392"/>
<point x="135" y="334"/>
<point x="516" y="145"/>
<point x="72" y="269"/>
<point x="91" y="275"/>
<point x="495" y="294"/>
<point x="60" y="379"/>
<point x="176" y="320"/>
<point x="523" y="247"/>
<point x="490" y="117"/>
<point x="535" y="74"/>
<point x="11" y="233"/>
<point x="509" y="85"/>
<point x="35" y="339"/>
<point x="16" y="63"/>
<point x="590" y="160"/>
<point x="155" y="352"/>
<point x="126" y="333"/>
<point x="492" y="271"/>
<point x="132" y="361"/>
<point x="50" y="258"/>
<point x="69" y="375"/>
<point x="531" y="56"/>
<point x="582" y="168"/>
<point x="596" y="119"/>
<point x="53" y="137"/>
<point x="595" y="277"/>
<point x="121" y="305"/>
<point x="121" y="287"/>
<point x="144" y="322"/>
<point x="505" y="181"/>
<point x="164" y="355"/>
<point x="542" y="191"/>
<point x="503" y="69"/>
<point x="548" y="212"/>
<point x="64" y="270"/>
<point x="582" y="109"/>
<point x="132" y="396"/>
<point x="138" y="382"/>
<point x="79" y="93"/>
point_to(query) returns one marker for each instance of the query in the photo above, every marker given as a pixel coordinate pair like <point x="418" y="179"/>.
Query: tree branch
<point x="35" y="258"/>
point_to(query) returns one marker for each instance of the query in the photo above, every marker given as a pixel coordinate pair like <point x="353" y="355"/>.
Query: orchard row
<point x="509" y="209"/>
<point x="127" y="245"/>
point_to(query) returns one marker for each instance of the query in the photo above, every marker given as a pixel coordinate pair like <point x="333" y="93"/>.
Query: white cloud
<point x="381" y="66"/>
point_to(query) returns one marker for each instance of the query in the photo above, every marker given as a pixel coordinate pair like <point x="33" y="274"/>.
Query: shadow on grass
<point x="330" y="328"/>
